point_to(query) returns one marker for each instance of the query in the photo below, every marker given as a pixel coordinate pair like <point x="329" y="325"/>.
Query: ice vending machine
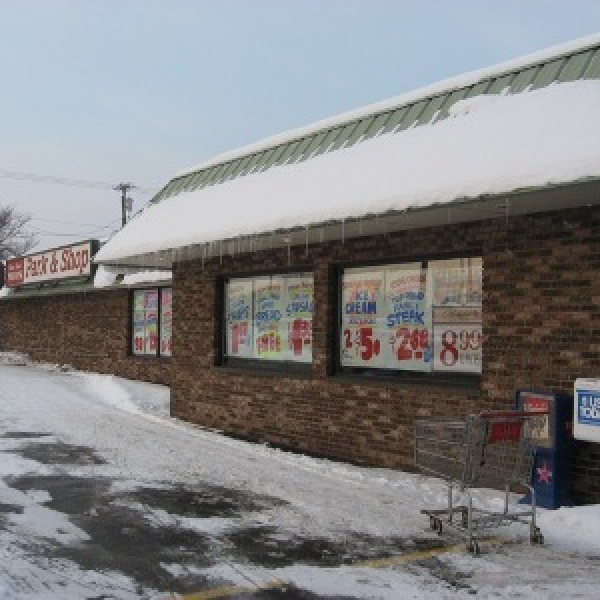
<point x="553" y="441"/>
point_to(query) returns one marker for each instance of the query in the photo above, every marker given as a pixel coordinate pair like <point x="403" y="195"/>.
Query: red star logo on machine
<point x="544" y="473"/>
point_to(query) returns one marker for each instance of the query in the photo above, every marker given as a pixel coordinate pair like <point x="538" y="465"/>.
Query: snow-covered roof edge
<point x="423" y="168"/>
<point x="459" y="81"/>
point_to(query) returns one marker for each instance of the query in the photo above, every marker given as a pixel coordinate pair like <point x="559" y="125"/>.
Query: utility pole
<point x="126" y="202"/>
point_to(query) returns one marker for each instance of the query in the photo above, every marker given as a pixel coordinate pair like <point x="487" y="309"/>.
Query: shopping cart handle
<point x="509" y="414"/>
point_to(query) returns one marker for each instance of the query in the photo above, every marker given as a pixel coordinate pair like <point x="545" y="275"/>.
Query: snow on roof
<point x="460" y="81"/>
<point x="490" y="145"/>
<point x="108" y="276"/>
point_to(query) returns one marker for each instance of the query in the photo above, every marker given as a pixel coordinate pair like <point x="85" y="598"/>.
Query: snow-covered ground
<point x="117" y="433"/>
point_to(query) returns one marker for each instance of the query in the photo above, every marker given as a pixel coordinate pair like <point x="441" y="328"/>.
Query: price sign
<point x="238" y="315"/>
<point x="411" y="348"/>
<point x="297" y="322"/>
<point x="360" y="343"/>
<point x="457" y="347"/>
<point x="268" y="317"/>
<point x="300" y="335"/>
<point x="268" y="345"/>
<point x="239" y="336"/>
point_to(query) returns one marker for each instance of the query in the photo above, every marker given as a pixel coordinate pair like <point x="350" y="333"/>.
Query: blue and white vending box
<point x="586" y="410"/>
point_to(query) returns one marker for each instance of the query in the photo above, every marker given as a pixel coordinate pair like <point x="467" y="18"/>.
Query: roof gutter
<point x="462" y="210"/>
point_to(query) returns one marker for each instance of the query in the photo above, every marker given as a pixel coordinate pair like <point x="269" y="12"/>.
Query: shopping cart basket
<point x="491" y="449"/>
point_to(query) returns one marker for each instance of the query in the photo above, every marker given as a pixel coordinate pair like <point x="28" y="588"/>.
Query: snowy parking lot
<point x="103" y="495"/>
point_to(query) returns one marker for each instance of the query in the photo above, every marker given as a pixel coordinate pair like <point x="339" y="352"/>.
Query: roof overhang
<point x="502" y="206"/>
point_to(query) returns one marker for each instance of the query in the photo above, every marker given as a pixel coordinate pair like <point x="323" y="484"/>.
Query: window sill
<point x="273" y="370"/>
<point x="470" y="383"/>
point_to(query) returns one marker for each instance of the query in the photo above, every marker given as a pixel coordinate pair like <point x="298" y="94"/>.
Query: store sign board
<point x="52" y="265"/>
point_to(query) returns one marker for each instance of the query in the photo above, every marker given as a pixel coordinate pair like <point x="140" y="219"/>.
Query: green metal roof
<point x="581" y="63"/>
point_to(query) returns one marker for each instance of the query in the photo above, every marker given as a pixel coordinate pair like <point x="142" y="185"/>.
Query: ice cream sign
<point x="67" y="262"/>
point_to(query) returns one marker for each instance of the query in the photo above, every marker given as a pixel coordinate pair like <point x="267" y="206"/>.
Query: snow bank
<point x="108" y="390"/>
<point x="574" y="528"/>
<point x="549" y="136"/>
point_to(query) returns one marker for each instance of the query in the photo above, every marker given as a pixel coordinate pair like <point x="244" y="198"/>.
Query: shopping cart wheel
<point x="537" y="537"/>
<point x="473" y="548"/>
<point x="464" y="518"/>
<point x="435" y="523"/>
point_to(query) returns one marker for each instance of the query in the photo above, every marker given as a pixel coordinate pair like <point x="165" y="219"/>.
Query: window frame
<point x="259" y="365"/>
<point x="158" y="354"/>
<point x="437" y="378"/>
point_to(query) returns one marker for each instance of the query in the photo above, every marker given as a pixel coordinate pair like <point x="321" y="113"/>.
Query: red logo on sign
<point x="15" y="271"/>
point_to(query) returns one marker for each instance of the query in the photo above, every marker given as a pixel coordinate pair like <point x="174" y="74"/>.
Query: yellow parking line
<point x="376" y="563"/>
<point x="380" y="563"/>
<point x="229" y="590"/>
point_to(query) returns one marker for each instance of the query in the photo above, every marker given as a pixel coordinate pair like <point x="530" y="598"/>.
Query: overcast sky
<point x="114" y="91"/>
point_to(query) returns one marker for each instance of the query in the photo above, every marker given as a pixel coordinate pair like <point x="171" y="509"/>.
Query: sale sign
<point x="363" y="315"/>
<point x="139" y="322"/>
<point x="239" y="318"/>
<point x="299" y="314"/>
<point x="390" y="319"/>
<point x="268" y="315"/>
<point x="145" y="322"/>
<point x="151" y="338"/>
<point x="457" y="339"/>
<point x="166" y="322"/>
<point x="408" y="320"/>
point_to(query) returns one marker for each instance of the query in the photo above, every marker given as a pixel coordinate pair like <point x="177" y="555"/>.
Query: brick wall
<point x="88" y="330"/>
<point x="541" y="323"/>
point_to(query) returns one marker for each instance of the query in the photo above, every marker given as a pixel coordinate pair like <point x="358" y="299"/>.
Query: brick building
<point x="425" y="256"/>
<point x="69" y="314"/>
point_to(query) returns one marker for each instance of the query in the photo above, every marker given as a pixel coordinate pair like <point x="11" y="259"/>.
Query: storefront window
<point x="421" y="317"/>
<point x="152" y="322"/>
<point x="269" y="318"/>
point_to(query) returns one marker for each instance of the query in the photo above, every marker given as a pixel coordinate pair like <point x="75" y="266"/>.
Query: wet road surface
<point x="143" y="532"/>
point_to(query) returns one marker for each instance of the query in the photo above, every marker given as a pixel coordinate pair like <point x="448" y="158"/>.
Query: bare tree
<point x="15" y="240"/>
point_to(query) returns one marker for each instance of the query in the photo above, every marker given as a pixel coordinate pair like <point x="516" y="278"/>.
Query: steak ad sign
<point x="67" y="262"/>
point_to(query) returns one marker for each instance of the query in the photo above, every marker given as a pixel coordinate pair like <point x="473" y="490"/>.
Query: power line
<point x="53" y="180"/>
<point x="60" y="234"/>
<point x="60" y="222"/>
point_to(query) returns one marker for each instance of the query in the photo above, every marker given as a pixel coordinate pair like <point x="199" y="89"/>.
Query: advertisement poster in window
<point x="457" y="339"/>
<point x="139" y="322"/>
<point x="151" y="341"/>
<point x="298" y="316"/>
<point x="408" y="320"/>
<point x="238" y="315"/>
<point x="166" y="322"/>
<point x="363" y="319"/>
<point x="457" y="286"/>
<point x="268" y="318"/>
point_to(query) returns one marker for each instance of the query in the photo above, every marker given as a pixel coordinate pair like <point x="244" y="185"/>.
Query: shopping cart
<point x="491" y="449"/>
